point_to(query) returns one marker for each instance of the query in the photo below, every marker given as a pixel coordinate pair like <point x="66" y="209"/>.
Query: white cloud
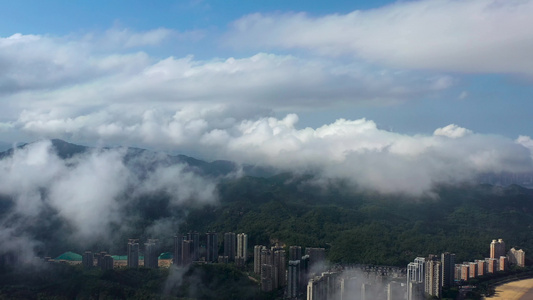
<point x="352" y="149"/>
<point x="465" y="36"/>
<point x="452" y="131"/>
<point x="91" y="193"/>
<point x="69" y="77"/>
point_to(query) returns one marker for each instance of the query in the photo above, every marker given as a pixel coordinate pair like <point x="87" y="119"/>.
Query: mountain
<point x="215" y="168"/>
<point x="355" y="226"/>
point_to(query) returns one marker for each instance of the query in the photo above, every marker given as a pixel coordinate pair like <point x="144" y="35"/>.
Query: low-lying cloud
<point x="89" y="196"/>
<point x="353" y="149"/>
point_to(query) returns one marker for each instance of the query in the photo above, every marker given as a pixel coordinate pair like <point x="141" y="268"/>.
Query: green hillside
<point x="363" y="227"/>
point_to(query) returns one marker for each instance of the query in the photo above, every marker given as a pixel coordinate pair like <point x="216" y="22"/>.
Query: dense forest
<point x="366" y="227"/>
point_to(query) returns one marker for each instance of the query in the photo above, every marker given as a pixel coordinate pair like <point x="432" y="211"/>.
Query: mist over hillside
<point x="56" y="196"/>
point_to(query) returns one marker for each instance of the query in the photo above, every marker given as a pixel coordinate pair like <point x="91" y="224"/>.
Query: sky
<point x="296" y="84"/>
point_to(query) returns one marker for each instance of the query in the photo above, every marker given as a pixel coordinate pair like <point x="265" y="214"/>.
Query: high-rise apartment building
<point x="151" y="254"/>
<point x="317" y="259"/>
<point x="395" y="291"/>
<point x="322" y="287"/>
<point x="267" y="274"/>
<point x="280" y="279"/>
<point x="517" y="257"/>
<point x="304" y="272"/>
<point x="178" y="249"/>
<point x="273" y="263"/>
<point x="432" y="277"/>
<point x="242" y="249"/>
<point x="133" y="253"/>
<point x="481" y="267"/>
<point x="421" y="261"/>
<point x="257" y="258"/>
<point x="497" y="248"/>
<point x="472" y="270"/>
<point x="107" y="262"/>
<point x="295" y="253"/>
<point x="187" y="252"/>
<point x="416" y="276"/>
<point x="212" y="247"/>
<point x="458" y="272"/>
<point x="415" y="291"/>
<point x="229" y="245"/>
<point x="465" y="271"/>
<point x="448" y="269"/>
<point x="503" y="263"/>
<point x="349" y="286"/>
<point x="88" y="259"/>
<point x="100" y="259"/>
<point x="492" y="265"/>
<point x="195" y="245"/>
<point x="293" y="280"/>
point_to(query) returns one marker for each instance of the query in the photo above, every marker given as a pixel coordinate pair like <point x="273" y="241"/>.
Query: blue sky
<point x="269" y="80"/>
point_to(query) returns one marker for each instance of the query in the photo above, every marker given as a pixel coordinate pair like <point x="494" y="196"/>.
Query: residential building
<point x="517" y="257"/>
<point x="187" y="252"/>
<point x="212" y="247"/>
<point x="194" y="237"/>
<point x="151" y="254"/>
<point x="133" y="253"/>
<point x="229" y="245"/>
<point x="472" y="270"/>
<point x="242" y="249"/>
<point x="448" y="269"/>
<point x="503" y="263"/>
<point x="295" y="253"/>
<point x="257" y="258"/>
<point x="88" y="259"/>
<point x="178" y="250"/>
<point x="293" y="280"/>
<point x="497" y="248"/>
<point x="107" y="262"/>
<point x="433" y="276"/>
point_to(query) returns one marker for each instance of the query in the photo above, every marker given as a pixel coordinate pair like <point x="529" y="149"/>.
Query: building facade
<point x="448" y="269"/>
<point x="212" y="247"/>
<point x="242" y="249"/>
<point x="133" y="253"/>
<point x="229" y="245"/>
<point x="151" y="254"/>
<point x="497" y="248"/>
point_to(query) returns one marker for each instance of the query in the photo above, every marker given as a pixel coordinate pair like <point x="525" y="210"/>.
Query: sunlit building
<point x="497" y="248"/>
<point x="517" y="257"/>
<point x="242" y="249"/>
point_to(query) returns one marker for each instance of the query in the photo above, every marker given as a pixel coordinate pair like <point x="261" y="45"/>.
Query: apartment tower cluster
<point x="426" y="276"/>
<point x="189" y="248"/>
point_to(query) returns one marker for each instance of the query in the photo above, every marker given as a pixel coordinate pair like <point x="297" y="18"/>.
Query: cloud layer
<point x="461" y="36"/>
<point x="106" y="88"/>
<point x="355" y="149"/>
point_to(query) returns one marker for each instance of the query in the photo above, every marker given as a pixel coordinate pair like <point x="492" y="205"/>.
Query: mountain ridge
<point x="66" y="150"/>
